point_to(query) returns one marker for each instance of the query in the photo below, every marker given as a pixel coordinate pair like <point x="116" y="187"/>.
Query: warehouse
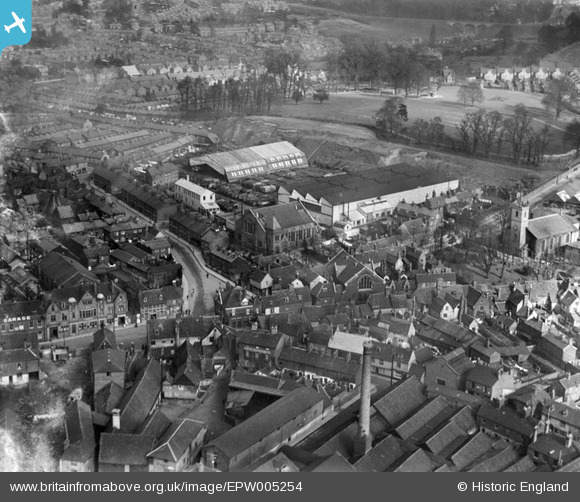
<point x="368" y="195"/>
<point x="251" y="161"/>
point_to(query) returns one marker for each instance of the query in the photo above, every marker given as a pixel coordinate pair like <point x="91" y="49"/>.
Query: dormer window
<point x="145" y="299"/>
<point x="160" y="297"/>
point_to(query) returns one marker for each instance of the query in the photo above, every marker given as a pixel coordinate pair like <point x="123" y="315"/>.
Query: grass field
<point x="357" y="108"/>
<point x="354" y="145"/>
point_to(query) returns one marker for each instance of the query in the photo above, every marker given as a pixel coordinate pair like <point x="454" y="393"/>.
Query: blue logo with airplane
<point x="15" y="22"/>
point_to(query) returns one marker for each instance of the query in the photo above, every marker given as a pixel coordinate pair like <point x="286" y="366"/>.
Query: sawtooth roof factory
<point x="366" y="195"/>
<point x="251" y="161"/>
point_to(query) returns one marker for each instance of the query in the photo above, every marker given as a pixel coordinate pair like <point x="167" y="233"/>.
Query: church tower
<point x="520" y="216"/>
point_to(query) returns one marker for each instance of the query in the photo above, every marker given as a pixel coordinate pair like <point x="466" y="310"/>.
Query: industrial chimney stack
<point x="364" y="440"/>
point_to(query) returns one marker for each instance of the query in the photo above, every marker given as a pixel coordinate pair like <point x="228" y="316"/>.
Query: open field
<point x="338" y="24"/>
<point x="358" y="108"/>
<point x="354" y="144"/>
<point x="383" y="29"/>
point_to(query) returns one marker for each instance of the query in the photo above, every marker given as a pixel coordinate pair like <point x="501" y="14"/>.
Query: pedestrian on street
<point x="207" y="275"/>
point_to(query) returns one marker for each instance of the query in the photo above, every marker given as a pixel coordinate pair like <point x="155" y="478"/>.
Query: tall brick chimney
<point x="177" y="334"/>
<point x="364" y="439"/>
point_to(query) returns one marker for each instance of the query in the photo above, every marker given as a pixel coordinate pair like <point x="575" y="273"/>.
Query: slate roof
<point x="104" y="339"/>
<point x="334" y="463"/>
<point x="259" y="338"/>
<point x="108" y="398"/>
<point x="562" y="412"/>
<point x="498" y="461"/>
<point x="391" y="352"/>
<point x="418" y="461"/>
<point x="79" y="432"/>
<point x="550" y="225"/>
<point x="525" y="464"/>
<point x="400" y="400"/>
<point x="108" y="361"/>
<point x="282" y="216"/>
<point x="323" y="364"/>
<point x="155" y="425"/>
<point x="473" y="296"/>
<point x="472" y="450"/>
<point x="177" y="439"/>
<point x="263" y="423"/>
<point x="570" y="381"/>
<point x="20" y="309"/>
<point x="151" y="297"/>
<point x="445" y="439"/>
<point x="61" y="270"/>
<point x="141" y="397"/>
<point x="124" y="449"/>
<point x="189" y="326"/>
<point x="506" y="418"/>
<point x="383" y="455"/>
<point x="483" y="375"/>
<point x="431" y="412"/>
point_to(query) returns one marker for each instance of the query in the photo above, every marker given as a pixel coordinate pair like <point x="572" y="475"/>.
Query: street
<point x="125" y="336"/>
<point x="199" y="286"/>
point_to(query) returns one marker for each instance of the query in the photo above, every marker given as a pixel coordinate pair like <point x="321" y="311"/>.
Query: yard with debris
<point x="37" y="440"/>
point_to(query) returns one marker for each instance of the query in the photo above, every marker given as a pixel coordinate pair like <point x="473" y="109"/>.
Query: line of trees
<point x="479" y="133"/>
<point x="282" y="77"/>
<point x="368" y="61"/>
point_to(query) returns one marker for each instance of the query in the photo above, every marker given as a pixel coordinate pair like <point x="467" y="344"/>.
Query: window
<point x="441" y="381"/>
<point x="365" y="282"/>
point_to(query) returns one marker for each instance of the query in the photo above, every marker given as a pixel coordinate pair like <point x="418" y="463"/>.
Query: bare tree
<point x="463" y="130"/>
<point x="470" y="93"/>
<point x="517" y="128"/>
<point x="488" y="250"/>
<point x="559" y="92"/>
<point x="573" y="134"/>
<point x="490" y="130"/>
<point x="436" y="131"/>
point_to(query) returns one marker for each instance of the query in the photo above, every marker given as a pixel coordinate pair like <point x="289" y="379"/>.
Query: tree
<point x="470" y="93"/>
<point x="559" y="92"/>
<point x="419" y="130"/>
<point x="516" y="130"/>
<point x="573" y="134"/>
<point x="433" y="36"/>
<point x="436" y="131"/>
<point x="185" y="89"/>
<point x="488" y="251"/>
<point x="490" y="130"/>
<point x="118" y="11"/>
<point x="389" y="117"/>
<point x="507" y="37"/>
<point x="320" y="95"/>
<point x="417" y="77"/>
<point x="297" y="96"/>
<point x="402" y="112"/>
